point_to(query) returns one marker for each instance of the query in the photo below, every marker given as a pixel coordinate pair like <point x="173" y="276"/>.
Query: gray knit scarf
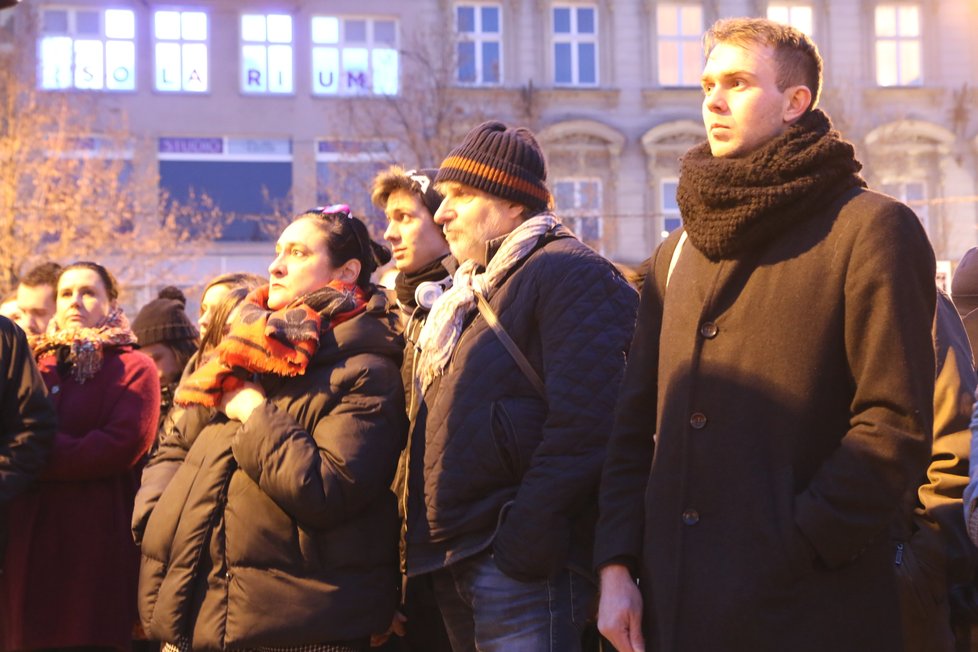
<point x="732" y="205"/>
<point x="447" y="318"/>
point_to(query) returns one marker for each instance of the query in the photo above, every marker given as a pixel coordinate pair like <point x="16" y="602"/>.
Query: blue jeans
<point x="485" y="610"/>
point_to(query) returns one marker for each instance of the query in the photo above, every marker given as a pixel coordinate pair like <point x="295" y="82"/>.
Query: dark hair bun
<point x="382" y="255"/>
<point x="174" y="293"/>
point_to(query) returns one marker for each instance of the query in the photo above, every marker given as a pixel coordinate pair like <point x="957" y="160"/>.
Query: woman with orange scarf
<point x="266" y="520"/>
<point x="70" y="570"/>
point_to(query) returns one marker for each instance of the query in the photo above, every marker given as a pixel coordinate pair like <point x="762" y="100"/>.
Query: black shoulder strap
<point x="531" y="374"/>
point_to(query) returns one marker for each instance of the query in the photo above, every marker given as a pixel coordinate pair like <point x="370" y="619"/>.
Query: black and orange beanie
<point x="501" y="161"/>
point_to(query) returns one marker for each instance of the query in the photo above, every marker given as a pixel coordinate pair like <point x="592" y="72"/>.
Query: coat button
<point x="691" y="517"/>
<point x="698" y="420"/>
<point x="709" y="330"/>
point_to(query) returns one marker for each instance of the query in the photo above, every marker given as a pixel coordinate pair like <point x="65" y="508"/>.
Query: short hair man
<point x="35" y="296"/>
<point x="28" y="422"/>
<point x="508" y="442"/>
<point x="782" y="373"/>
<point x="424" y="271"/>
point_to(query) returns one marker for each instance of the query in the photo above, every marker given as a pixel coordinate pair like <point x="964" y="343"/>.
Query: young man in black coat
<point x="777" y="408"/>
<point x="27" y="419"/>
<point x="509" y="438"/>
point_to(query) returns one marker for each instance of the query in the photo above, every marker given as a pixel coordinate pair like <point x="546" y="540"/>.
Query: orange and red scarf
<point x="260" y="340"/>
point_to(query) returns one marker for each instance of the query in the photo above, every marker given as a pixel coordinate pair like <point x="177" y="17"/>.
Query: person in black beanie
<point x="512" y="419"/>
<point x="776" y="415"/>
<point x="964" y="294"/>
<point x="425" y="268"/>
<point x="165" y="333"/>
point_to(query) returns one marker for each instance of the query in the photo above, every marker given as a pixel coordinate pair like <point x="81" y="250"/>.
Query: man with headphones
<point x="425" y="269"/>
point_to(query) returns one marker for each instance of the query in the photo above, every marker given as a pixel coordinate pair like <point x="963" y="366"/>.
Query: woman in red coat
<point x="70" y="568"/>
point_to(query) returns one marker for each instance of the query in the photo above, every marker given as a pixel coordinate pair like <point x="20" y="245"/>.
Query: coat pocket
<point x="517" y="429"/>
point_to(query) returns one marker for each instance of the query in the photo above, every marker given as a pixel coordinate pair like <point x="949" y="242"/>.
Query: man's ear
<point x="797" y="99"/>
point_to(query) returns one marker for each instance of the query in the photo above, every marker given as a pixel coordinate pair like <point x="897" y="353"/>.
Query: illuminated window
<point x="679" y="31"/>
<point x="798" y="16"/>
<point x="479" y="43"/>
<point x="575" y="38"/>
<point x="354" y="56"/>
<point x="898" y="54"/>
<point x="266" y="53"/>
<point x="181" y="51"/>
<point x="669" y="207"/>
<point x="578" y="202"/>
<point x="88" y="49"/>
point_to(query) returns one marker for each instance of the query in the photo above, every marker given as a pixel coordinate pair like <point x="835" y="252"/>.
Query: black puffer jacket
<point x="282" y="531"/>
<point x="498" y="453"/>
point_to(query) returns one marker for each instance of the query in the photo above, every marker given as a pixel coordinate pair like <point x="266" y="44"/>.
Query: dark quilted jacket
<point x="491" y="442"/>
<point x="283" y="531"/>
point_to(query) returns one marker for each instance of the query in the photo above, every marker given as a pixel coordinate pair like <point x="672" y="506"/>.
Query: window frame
<point x="371" y="45"/>
<point x="72" y="35"/>
<point x="182" y="44"/>
<point x="478" y="37"/>
<point x="679" y="39"/>
<point x="572" y="215"/>
<point x="789" y="5"/>
<point x="267" y="45"/>
<point x="897" y="39"/>
<point x="575" y="40"/>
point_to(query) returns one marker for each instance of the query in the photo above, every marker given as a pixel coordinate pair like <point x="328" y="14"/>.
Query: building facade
<point x="273" y="107"/>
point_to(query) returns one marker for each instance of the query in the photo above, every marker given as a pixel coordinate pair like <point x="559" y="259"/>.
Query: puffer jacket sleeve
<point x="326" y="476"/>
<point x="125" y="436"/>
<point x="27" y="419"/>
<point x="162" y="466"/>
<point x="621" y="519"/>
<point x="586" y="316"/>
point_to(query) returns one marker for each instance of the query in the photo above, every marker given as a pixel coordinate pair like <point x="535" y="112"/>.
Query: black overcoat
<point x="790" y="396"/>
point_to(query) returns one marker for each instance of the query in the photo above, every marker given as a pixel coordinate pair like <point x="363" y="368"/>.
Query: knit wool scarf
<point x="447" y="318"/>
<point x="732" y="205"/>
<point x="261" y="340"/>
<point x="82" y="349"/>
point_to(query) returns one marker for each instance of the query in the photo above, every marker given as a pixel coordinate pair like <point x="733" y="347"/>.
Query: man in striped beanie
<point x="518" y="366"/>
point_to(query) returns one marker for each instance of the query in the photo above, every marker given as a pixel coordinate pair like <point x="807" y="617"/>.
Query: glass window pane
<point x="279" y="28"/>
<point x="915" y="191"/>
<point x="669" y="202"/>
<point x="325" y="29"/>
<point x="910" y="63"/>
<point x="89" y="70"/>
<point x="585" y="21"/>
<point x="166" y="25"/>
<point x="385" y="32"/>
<point x="195" y="67"/>
<point x="801" y="17"/>
<point x="490" y="20"/>
<point x="778" y="13"/>
<point x="55" y="62"/>
<point x="564" y="194"/>
<point x="691" y="20"/>
<point x="168" y="69"/>
<point x="120" y="23"/>
<point x="590" y="195"/>
<point x="385" y="71"/>
<point x="587" y="63"/>
<point x="886" y="63"/>
<point x="909" y="21"/>
<point x="667" y="20"/>
<point x="562" y="20"/>
<point x="490" y="62"/>
<point x="87" y="23"/>
<point x="886" y="21"/>
<point x="562" y="63"/>
<point x="668" y="63"/>
<point x="356" y="77"/>
<point x="120" y="62"/>
<point x="466" y="62"/>
<point x="692" y="63"/>
<point x="326" y="70"/>
<point x="355" y="31"/>
<point x="254" y="69"/>
<point x="279" y="68"/>
<point x="466" y="19"/>
<point x="194" y="25"/>
<point x="670" y="224"/>
<point x="253" y="28"/>
<point x="55" y="22"/>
